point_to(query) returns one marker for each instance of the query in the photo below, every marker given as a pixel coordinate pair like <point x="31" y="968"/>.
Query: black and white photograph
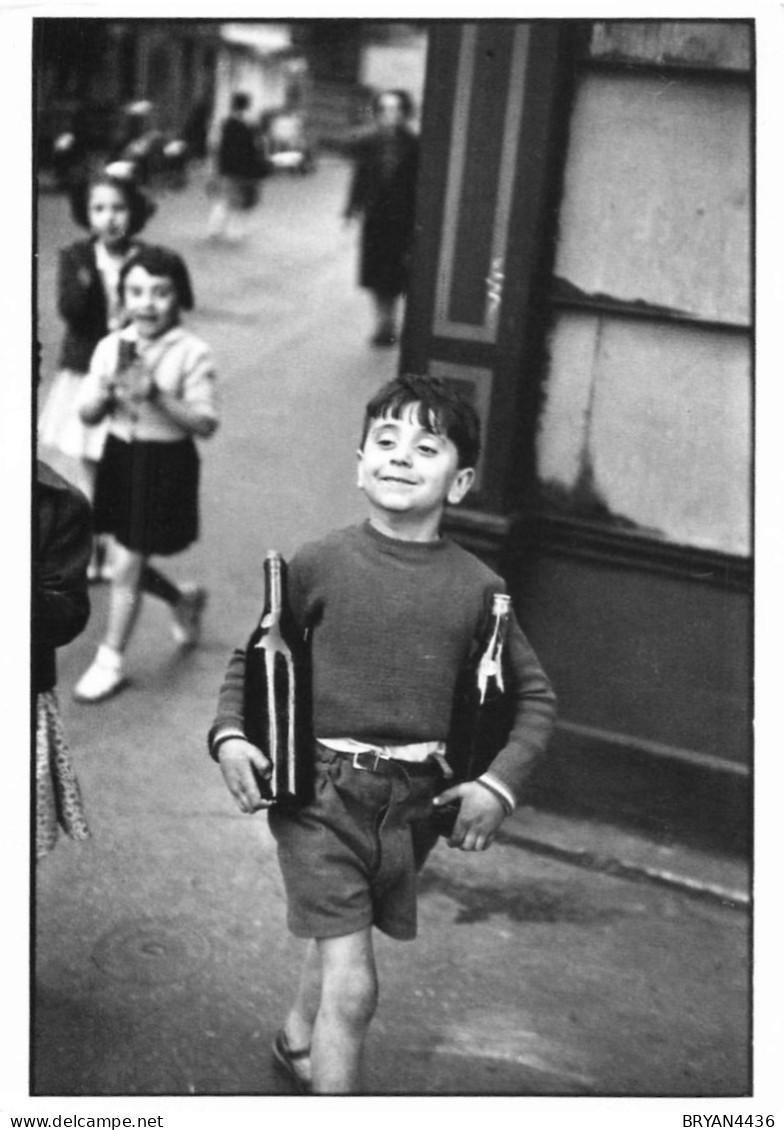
<point x="393" y="493"/>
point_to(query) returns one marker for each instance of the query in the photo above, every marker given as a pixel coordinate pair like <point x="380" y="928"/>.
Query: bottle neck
<point x="273" y="604"/>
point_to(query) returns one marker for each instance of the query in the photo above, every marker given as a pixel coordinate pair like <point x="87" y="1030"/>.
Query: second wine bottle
<point x="277" y="697"/>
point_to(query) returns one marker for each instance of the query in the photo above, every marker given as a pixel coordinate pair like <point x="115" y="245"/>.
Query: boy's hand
<point x="480" y="816"/>
<point x="241" y="763"/>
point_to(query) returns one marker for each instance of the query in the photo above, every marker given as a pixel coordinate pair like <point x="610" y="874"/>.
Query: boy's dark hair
<point x="164" y="263"/>
<point x="442" y="411"/>
<point x="239" y="101"/>
<point x="140" y="206"/>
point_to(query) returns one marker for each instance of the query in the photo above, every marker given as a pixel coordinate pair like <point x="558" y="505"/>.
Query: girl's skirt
<point x="58" y="798"/>
<point x="147" y="495"/>
<point x="60" y="426"/>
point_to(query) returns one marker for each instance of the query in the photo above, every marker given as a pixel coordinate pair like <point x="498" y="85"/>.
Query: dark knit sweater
<point x="392" y="625"/>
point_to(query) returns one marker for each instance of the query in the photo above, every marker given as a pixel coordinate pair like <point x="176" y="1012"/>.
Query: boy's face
<point x="406" y="470"/>
<point x="151" y="302"/>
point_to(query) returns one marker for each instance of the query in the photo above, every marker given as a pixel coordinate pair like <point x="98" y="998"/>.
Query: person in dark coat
<point x="238" y="166"/>
<point x="60" y="610"/>
<point x="383" y="193"/>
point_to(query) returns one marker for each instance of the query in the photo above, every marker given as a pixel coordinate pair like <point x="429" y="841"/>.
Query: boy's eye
<point x="428" y="449"/>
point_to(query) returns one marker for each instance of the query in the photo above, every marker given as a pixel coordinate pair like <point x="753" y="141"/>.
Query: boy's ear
<point x="461" y="484"/>
<point x="359" y="466"/>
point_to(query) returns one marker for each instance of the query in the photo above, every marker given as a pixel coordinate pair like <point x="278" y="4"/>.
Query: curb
<point x="608" y="865"/>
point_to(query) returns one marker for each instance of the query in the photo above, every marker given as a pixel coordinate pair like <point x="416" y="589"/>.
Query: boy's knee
<point x="351" y="995"/>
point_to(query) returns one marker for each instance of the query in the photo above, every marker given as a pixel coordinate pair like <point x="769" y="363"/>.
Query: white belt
<point x="416" y="751"/>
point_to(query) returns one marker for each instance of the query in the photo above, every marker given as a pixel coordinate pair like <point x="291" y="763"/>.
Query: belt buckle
<point x="368" y="753"/>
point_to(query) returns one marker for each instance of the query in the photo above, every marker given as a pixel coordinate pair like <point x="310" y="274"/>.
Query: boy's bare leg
<point x="349" y="994"/>
<point x="302" y="1015"/>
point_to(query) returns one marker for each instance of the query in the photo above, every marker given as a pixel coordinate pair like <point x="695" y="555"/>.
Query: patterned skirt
<point x="58" y="798"/>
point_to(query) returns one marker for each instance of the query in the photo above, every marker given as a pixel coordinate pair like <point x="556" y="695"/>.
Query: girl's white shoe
<point x="103" y="678"/>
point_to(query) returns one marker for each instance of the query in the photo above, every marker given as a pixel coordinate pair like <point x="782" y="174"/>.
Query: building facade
<point x="583" y="268"/>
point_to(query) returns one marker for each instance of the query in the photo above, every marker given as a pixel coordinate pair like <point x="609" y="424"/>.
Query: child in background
<point x="155" y="382"/>
<point x="393" y="610"/>
<point x="114" y="211"/>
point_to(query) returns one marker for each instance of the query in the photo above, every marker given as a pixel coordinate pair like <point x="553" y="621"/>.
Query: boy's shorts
<point x="349" y="858"/>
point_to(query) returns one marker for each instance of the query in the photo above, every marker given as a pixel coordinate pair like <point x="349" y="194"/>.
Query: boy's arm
<point x="229" y="718"/>
<point x="534" y="717"/>
<point x="239" y="760"/>
<point x="487" y="801"/>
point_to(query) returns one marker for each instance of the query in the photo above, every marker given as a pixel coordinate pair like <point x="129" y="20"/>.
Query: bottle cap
<point x="501" y="602"/>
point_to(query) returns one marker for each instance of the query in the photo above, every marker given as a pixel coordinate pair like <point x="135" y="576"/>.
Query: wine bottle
<point x="481" y="713"/>
<point x="277" y="693"/>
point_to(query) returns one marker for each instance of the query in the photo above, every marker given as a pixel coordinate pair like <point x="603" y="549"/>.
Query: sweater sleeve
<point x="533" y="717"/>
<point x="229" y="714"/>
<point x="199" y="385"/>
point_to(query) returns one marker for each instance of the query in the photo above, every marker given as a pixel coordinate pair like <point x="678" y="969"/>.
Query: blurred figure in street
<point x="61" y="607"/>
<point x="113" y="210"/>
<point x="239" y="167"/>
<point x="382" y="192"/>
<point x="155" y="382"/>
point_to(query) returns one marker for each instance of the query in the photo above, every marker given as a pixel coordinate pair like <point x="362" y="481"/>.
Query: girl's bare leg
<point x="125" y="597"/>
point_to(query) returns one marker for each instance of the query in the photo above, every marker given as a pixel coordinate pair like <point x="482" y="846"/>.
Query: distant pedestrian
<point x="155" y="382"/>
<point x="392" y="611"/>
<point x="113" y="210"/>
<point x="239" y="166"/>
<point x="382" y="192"/>
<point x="61" y="607"/>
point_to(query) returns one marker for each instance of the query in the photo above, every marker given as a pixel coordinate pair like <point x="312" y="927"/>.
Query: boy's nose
<point x="402" y="455"/>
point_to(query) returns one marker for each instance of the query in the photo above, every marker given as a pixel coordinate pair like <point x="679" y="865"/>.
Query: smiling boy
<point x="392" y="610"/>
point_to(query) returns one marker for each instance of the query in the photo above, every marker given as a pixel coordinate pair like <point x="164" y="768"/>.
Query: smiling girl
<point x="155" y="383"/>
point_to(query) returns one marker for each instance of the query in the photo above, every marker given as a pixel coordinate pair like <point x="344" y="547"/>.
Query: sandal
<point x="284" y="1057"/>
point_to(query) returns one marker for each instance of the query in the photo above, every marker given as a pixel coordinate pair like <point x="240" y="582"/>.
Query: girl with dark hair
<point x="382" y="192"/>
<point x="154" y="381"/>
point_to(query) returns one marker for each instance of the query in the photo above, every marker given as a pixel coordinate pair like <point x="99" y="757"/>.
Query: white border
<point x="14" y="421"/>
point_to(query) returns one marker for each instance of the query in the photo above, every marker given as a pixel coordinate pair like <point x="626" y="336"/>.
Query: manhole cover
<point x="151" y="950"/>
